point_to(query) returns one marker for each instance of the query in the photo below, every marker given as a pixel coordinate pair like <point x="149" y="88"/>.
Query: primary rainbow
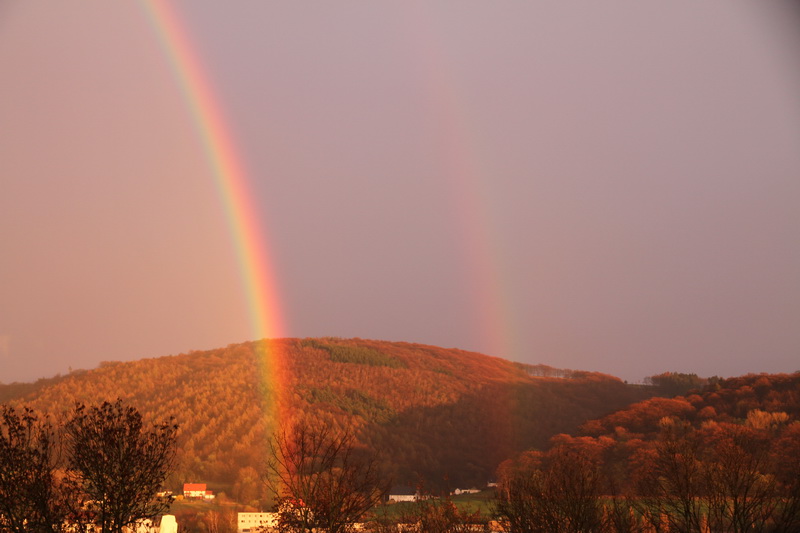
<point x="231" y="181"/>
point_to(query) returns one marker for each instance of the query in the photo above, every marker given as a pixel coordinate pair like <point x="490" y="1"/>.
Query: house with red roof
<point x="198" y="491"/>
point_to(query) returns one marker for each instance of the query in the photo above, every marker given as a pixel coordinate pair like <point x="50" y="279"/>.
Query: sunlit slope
<point x="728" y="400"/>
<point x="436" y="413"/>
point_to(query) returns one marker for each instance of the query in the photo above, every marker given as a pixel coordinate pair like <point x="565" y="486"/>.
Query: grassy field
<point x="481" y="502"/>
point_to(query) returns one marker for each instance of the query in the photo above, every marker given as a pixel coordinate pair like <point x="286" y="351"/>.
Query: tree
<point x="431" y="515"/>
<point x="520" y="493"/>
<point x="321" y="478"/>
<point x="786" y="467"/>
<point x="30" y="496"/>
<point x="220" y="520"/>
<point x="572" y="490"/>
<point x="741" y="495"/>
<point x="676" y="383"/>
<point x="671" y="481"/>
<point x="118" y="464"/>
<point x="248" y="488"/>
<point x="556" y="491"/>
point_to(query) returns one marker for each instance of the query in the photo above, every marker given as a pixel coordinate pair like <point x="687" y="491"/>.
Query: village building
<point x="250" y="522"/>
<point x="197" y="491"/>
<point x="403" y="493"/>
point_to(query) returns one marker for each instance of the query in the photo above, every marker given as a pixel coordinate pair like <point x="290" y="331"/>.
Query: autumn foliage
<point x="433" y="412"/>
<point x="722" y="459"/>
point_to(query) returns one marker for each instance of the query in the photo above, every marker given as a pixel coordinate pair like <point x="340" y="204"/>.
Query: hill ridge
<point x="435" y="412"/>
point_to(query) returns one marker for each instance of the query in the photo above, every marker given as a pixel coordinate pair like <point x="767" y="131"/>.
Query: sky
<point x="605" y="186"/>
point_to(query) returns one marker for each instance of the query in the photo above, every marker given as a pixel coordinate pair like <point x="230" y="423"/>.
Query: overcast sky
<point x="609" y="186"/>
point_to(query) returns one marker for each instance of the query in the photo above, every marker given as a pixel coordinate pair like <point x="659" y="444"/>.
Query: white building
<point x="197" y="490"/>
<point x="248" y="522"/>
<point x="168" y="524"/>
<point x="402" y="493"/>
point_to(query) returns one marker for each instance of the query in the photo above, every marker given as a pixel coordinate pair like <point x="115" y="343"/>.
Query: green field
<point x="480" y="502"/>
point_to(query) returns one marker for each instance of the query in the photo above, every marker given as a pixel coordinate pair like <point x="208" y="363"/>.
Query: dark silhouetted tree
<point x="30" y="495"/>
<point x="321" y="478"/>
<point x="119" y="464"/>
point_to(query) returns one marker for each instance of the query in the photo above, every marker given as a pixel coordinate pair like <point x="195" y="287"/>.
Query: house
<point x="247" y="522"/>
<point x="194" y="490"/>
<point x="403" y="493"/>
<point x="197" y="491"/>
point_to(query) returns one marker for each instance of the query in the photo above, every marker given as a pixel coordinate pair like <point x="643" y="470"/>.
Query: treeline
<point x="725" y="459"/>
<point x="435" y="412"/>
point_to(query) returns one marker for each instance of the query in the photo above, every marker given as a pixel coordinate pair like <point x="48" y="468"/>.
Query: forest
<point x="443" y="415"/>
<point x="626" y="455"/>
<point x="722" y="458"/>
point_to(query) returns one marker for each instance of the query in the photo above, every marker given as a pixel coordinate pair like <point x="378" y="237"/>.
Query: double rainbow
<point x="459" y="166"/>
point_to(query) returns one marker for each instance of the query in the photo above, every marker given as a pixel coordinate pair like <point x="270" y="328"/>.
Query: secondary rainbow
<point x="462" y="169"/>
<point x="230" y="178"/>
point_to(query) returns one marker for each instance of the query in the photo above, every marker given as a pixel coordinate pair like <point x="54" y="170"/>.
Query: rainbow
<point x="231" y="181"/>
<point x="461" y="167"/>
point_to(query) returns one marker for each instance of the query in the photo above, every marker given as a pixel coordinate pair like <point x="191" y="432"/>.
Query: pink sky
<point x="610" y="187"/>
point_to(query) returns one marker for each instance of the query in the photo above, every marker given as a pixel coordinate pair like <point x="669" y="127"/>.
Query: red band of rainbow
<point x="231" y="181"/>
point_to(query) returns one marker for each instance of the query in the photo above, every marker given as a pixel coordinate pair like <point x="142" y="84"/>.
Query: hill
<point x="435" y="413"/>
<point x="757" y="416"/>
<point x="722" y="458"/>
<point x="728" y="400"/>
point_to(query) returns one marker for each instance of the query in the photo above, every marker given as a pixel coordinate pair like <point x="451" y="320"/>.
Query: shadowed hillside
<point x="435" y="413"/>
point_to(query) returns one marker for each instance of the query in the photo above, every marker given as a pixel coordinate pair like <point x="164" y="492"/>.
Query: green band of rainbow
<point x="231" y="182"/>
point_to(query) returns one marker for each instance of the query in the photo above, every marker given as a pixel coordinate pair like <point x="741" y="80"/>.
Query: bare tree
<point x="573" y="486"/>
<point x="519" y="496"/>
<point x="220" y="521"/>
<point x="670" y="488"/>
<point x="741" y="496"/>
<point x="119" y="464"/>
<point x="786" y="469"/>
<point x="30" y="496"/>
<point x="558" y="491"/>
<point x="322" y="479"/>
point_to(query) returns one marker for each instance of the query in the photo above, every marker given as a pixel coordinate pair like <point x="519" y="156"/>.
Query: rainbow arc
<point x="230" y="178"/>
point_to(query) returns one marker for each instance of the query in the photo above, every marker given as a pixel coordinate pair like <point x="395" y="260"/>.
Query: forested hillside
<point x="722" y="458"/>
<point x="729" y="400"/>
<point x="434" y="413"/>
